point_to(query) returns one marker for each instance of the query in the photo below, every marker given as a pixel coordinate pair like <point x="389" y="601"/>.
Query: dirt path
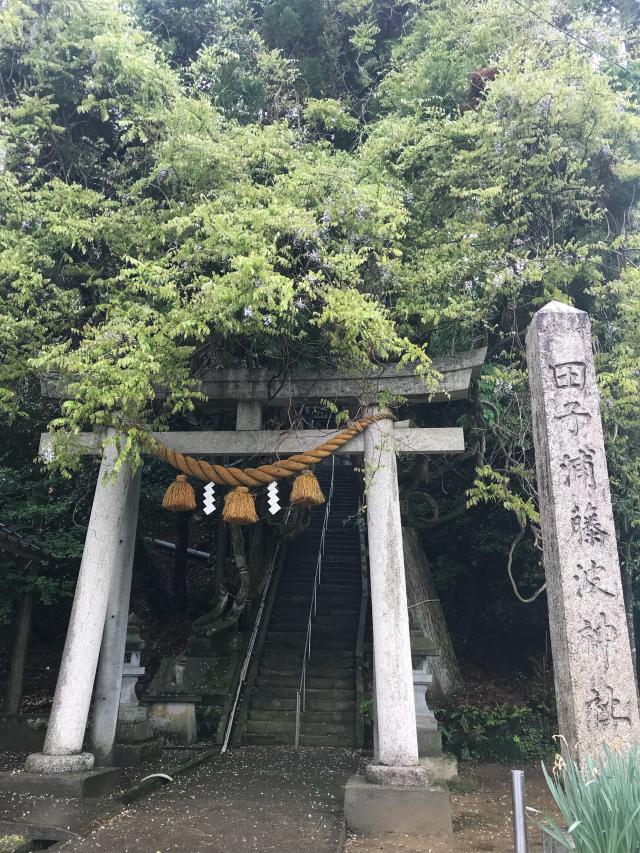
<point x="481" y="804"/>
<point x="273" y="799"/>
<point x="250" y="799"/>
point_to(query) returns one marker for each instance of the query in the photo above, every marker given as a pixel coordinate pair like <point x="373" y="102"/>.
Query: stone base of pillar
<point x="373" y="809"/>
<point x="385" y="774"/>
<point x="90" y="783"/>
<point x="42" y="762"/>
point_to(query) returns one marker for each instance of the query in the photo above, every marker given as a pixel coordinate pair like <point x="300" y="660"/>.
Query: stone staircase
<point x="330" y="716"/>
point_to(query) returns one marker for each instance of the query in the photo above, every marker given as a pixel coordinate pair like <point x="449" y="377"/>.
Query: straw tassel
<point x="306" y="490"/>
<point x="180" y="496"/>
<point x="239" y="507"/>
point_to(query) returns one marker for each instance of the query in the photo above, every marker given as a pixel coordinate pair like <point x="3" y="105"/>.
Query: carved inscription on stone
<point x="590" y="580"/>
<point x="586" y="525"/>
<point x="605" y="708"/>
<point x="574" y="416"/>
<point x="597" y="635"/>
<point x="578" y="470"/>
<point x="569" y="374"/>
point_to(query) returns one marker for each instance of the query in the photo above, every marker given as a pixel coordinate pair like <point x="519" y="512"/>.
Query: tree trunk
<point x="180" y="560"/>
<point x="221" y="556"/>
<point x="19" y="655"/>
<point x="426" y="616"/>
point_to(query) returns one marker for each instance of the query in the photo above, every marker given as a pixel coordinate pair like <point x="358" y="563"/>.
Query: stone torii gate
<point x="95" y="643"/>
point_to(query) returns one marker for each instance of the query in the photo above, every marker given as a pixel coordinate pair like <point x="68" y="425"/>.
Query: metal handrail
<point x="301" y="694"/>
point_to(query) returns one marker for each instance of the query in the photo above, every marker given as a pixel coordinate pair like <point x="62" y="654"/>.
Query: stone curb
<point x="156" y="782"/>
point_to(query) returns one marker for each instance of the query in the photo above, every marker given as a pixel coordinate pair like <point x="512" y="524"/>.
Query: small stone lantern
<point x="135" y="740"/>
<point x="132" y="669"/>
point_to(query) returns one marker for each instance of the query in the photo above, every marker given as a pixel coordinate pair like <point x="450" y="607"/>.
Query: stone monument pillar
<point x="595" y="686"/>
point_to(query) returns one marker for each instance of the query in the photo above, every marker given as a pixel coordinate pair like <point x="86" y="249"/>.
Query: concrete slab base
<point x="89" y="783"/>
<point x="429" y="742"/>
<point x="136" y="754"/>
<point x="441" y="768"/>
<point x="419" y="809"/>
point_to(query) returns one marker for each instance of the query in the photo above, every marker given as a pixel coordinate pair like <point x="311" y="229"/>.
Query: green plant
<point x="498" y="733"/>
<point x="600" y="804"/>
<point x="365" y="709"/>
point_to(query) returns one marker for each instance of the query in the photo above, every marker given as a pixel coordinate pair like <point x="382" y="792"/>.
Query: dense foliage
<point x="198" y="184"/>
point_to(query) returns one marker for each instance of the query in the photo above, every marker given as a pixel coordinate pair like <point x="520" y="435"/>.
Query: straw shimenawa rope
<point x="250" y="477"/>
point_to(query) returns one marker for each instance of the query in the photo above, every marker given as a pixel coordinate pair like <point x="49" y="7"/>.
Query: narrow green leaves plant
<point x="600" y="804"/>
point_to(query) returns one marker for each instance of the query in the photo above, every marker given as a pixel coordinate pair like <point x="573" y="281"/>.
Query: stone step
<point x="314" y="682"/>
<point x="331" y="597"/>
<point x="337" y="614"/>
<point x="321" y="670"/>
<point x="345" y="567"/>
<point x="326" y="579"/>
<point x="294" y="601"/>
<point x="288" y="703"/>
<point x="337" y="550"/>
<point x="329" y="625"/>
<point x="341" y="637"/>
<point x="324" y="639"/>
<point x="322" y="624"/>
<point x="321" y="667"/>
<point x="337" y="532"/>
<point x="288" y="727"/>
<point x="285" y="652"/>
<point x="342" y="718"/>
<point x="305" y="740"/>
<point x="316" y="696"/>
<point x="280" y="654"/>
<point x="299" y="580"/>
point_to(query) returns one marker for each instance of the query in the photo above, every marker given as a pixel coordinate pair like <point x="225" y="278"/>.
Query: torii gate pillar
<point x="397" y="744"/>
<point x="396" y="795"/>
<point x="108" y="546"/>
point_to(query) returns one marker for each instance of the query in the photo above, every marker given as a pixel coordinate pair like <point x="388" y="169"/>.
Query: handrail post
<point x="297" y="738"/>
